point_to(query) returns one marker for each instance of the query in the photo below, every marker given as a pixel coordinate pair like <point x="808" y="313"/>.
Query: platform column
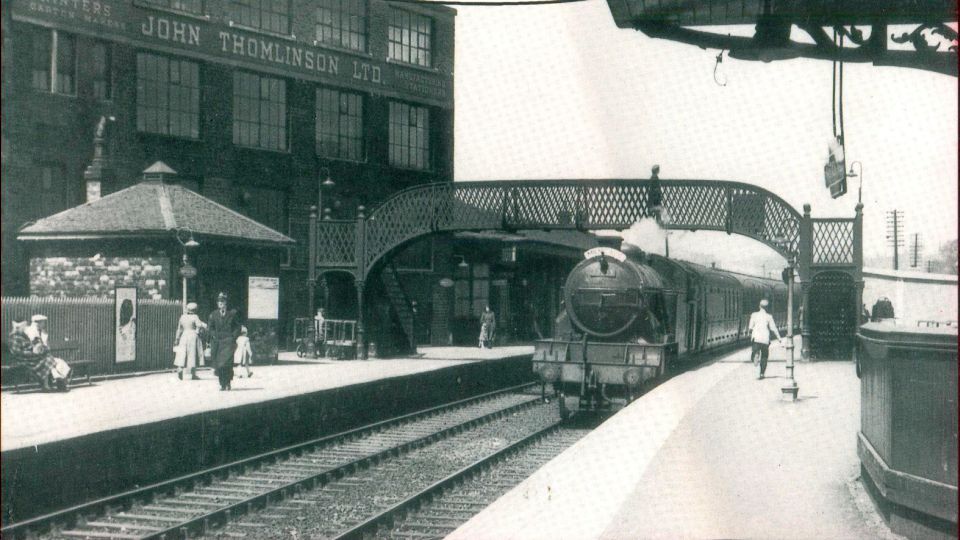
<point x="806" y="276"/>
<point x="790" y="387"/>
<point x="359" y="281"/>
<point x="312" y="266"/>
<point x="858" y="261"/>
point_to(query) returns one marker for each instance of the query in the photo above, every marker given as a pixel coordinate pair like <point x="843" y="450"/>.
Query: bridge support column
<point x="312" y="268"/>
<point x="361" y="330"/>
<point x="858" y="262"/>
<point x="806" y="274"/>
<point x="359" y="280"/>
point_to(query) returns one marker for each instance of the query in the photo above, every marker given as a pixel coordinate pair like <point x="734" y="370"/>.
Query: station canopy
<point x="927" y="30"/>
<point x="627" y="13"/>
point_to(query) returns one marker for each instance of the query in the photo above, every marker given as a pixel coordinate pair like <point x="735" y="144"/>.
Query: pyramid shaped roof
<point x="152" y="209"/>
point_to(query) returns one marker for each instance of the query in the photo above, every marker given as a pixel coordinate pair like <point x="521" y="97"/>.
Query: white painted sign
<point x="605" y="251"/>
<point x="125" y="319"/>
<point x="263" y="297"/>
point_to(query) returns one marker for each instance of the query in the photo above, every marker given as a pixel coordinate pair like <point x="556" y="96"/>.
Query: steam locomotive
<point x="629" y="317"/>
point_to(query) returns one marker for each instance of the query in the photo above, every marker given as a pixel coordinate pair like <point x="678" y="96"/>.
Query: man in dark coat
<point x="223" y="328"/>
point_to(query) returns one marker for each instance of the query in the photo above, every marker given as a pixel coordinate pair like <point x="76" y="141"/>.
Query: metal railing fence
<point x="87" y="324"/>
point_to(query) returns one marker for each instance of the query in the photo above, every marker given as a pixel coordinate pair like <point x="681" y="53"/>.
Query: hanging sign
<point x="835" y="172"/>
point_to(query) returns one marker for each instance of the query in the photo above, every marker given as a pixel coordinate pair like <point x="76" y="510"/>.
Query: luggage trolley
<point x="340" y="338"/>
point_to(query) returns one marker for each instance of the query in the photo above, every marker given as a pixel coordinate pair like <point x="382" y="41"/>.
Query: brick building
<point x="252" y="102"/>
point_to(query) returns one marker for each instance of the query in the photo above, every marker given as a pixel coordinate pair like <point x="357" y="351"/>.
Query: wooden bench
<point x="23" y="376"/>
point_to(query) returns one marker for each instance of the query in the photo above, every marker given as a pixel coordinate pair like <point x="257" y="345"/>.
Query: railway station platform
<point x="116" y="434"/>
<point x="713" y="453"/>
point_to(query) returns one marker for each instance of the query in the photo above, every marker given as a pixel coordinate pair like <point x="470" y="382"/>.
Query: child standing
<point x="244" y="354"/>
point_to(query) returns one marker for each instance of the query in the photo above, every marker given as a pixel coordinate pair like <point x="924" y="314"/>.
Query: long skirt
<point x="192" y="355"/>
<point x="486" y="334"/>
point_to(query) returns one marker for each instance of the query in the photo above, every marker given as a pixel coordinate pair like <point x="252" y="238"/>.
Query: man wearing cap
<point x="224" y="328"/>
<point x="761" y="324"/>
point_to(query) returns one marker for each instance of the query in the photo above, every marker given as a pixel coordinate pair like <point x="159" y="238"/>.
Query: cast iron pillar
<point x="858" y="260"/>
<point x="790" y="387"/>
<point x="360" y="281"/>
<point x="806" y="276"/>
<point x="312" y="267"/>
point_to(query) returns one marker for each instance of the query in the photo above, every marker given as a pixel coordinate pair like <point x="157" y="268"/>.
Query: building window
<point x="40" y="60"/>
<point x="168" y="96"/>
<point x="339" y="124"/>
<point x="193" y="7"/>
<point x="101" y="60"/>
<point x="342" y="23"/>
<point x="410" y="38"/>
<point x="65" y="81"/>
<point x="259" y="111"/>
<point x="55" y="53"/>
<point x="409" y="136"/>
<point x="270" y="15"/>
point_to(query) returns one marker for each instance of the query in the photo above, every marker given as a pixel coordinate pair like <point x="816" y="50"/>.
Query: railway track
<point x="199" y="503"/>
<point x="342" y="505"/>
<point x="439" y="509"/>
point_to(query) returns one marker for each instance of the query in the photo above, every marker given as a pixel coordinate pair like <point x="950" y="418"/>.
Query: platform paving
<point x="713" y="453"/>
<point x="34" y="418"/>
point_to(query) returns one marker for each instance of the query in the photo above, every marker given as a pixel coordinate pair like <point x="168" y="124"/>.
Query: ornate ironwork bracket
<point x="872" y="49"/>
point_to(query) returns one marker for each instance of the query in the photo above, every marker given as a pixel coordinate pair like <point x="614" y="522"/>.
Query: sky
<point x="558" y="91"/>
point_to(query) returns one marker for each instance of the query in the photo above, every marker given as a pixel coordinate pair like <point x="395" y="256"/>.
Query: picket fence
<point x="87" y="323"/>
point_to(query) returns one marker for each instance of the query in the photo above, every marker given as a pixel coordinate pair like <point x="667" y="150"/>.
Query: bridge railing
<point x="563" y="204"/>
<point x="833" y="242"/>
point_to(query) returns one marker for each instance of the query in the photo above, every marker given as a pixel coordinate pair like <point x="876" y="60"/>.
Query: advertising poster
<point x="125" y="317"/>
<point x="263" y="298"/>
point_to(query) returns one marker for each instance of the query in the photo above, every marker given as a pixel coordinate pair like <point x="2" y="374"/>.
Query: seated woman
<point x="35" y="355"/>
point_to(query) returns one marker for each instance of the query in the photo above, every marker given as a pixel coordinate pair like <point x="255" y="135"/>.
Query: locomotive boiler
<point x="629" y="317"/>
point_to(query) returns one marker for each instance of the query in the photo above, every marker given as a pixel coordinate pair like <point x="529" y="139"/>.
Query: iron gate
<point x="832" y="311"/>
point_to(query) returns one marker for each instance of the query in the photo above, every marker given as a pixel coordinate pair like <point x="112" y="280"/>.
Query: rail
<point x="369" y="526"/>
<point x="77" y="514"/>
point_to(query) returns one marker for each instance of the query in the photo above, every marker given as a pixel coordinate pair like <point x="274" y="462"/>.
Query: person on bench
<point x="35" y="356"/>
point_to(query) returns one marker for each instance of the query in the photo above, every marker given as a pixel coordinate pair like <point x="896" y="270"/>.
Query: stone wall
<point x="99" y="276"/>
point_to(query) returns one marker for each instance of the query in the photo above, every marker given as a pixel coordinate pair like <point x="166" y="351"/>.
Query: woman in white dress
<point x="188" y="345"/>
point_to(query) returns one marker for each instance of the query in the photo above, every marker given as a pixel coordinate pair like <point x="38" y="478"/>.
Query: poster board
<point x="263" y="297"/>
<point x="125" y="324"/>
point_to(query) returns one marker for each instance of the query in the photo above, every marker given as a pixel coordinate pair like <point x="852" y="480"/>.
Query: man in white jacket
<point x="761" y="324"/>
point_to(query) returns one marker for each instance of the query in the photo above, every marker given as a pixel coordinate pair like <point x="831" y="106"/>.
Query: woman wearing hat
<point x="188" y="346"/>
<point x="224" y="326"/>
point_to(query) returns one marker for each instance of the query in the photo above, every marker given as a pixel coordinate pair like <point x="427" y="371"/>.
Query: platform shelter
<point x="166" y="242"/>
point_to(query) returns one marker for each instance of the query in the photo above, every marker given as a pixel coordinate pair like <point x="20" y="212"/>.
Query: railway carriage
<point x="629" y="316"/>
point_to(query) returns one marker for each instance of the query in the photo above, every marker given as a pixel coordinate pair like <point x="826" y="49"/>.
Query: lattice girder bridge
<point x="360" y="245"/>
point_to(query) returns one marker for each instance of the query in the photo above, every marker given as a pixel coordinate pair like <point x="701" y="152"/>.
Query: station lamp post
<point x="187" y="271"/>
<point x="790" y="387"/>
<point x="853" y="174"/>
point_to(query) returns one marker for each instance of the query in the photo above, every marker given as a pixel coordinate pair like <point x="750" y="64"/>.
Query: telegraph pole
<point x="916" y="244"/>
<point x="894" y="225"/>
